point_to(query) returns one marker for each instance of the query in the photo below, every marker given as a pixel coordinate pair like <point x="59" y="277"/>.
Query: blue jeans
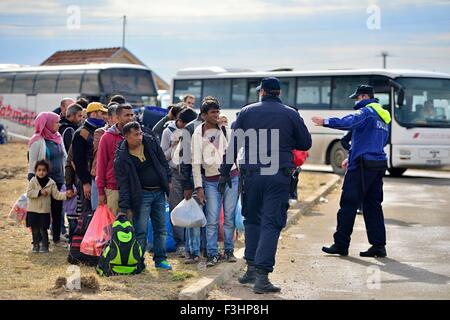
<point x="153" y="205"/>
<point x="214" y="202"/>
<point x="94" y="195"/>
<point x="193" y="241"/>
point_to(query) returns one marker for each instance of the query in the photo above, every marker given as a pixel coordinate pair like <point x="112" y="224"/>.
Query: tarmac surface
<point x="417" y="217"/>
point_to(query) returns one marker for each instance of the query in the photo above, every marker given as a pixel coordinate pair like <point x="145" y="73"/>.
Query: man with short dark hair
<point x="209" y="143"/>
<point x="70" y="123"/>
<point x="143" y="177"/>
<point x="106" y="181"/>
<point x="112" y="120"/>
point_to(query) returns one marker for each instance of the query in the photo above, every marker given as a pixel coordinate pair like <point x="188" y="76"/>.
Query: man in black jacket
<point x="70" y="124"/>
<point x="143" y="177"/>
<point x="82" y="145"/>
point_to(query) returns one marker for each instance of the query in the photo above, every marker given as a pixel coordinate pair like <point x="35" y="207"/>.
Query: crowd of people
<point x="101" y="155"/>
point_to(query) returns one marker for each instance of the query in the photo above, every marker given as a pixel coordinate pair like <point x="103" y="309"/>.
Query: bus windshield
<point x="427" y="103"/>
<point x="133" y="83"/>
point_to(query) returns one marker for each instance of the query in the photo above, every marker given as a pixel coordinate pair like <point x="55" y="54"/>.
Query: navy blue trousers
<point x="265" y="205"/>
<point x="371" y="198"/>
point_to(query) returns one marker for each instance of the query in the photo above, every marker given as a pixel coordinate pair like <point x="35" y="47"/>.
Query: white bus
<point x="26" y="91"/>
<point x="418" y="100"/>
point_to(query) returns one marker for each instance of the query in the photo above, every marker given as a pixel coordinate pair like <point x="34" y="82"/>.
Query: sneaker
<point x="61" y="244"/>
<point x="43" y="250"/>
<point x="163" y="265"/>
<point x="192" y="260"/>
<point x="212" y="261"/>
<point x="35" y="248"/>
<point x="229" y="257"/>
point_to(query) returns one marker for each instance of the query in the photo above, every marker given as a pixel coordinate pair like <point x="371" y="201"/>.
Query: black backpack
<point x="123" y="254"/>
<point x="75" y="255"/>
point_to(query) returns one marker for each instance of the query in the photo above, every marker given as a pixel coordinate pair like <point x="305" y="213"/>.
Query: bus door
<point x="31" y="105"/>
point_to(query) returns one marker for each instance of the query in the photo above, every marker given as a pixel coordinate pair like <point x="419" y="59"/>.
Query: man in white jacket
<point x="209" y="143"/>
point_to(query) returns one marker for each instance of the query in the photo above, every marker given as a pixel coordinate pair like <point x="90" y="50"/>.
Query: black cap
<point x="269" y="84"/>
<point x="362" y="89"/>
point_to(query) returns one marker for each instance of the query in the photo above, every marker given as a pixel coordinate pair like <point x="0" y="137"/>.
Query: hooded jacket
<point x="370" y="131"/>
<point x="107" y="147"/>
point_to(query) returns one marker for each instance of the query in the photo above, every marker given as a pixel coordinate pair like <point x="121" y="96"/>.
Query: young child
<point x="40" y="190"/>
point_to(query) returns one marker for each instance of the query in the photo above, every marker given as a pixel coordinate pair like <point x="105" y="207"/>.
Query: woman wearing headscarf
<point x="47" y="144"/>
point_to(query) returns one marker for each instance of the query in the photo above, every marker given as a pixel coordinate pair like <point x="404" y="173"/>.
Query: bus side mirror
<point x="400" y="97"/>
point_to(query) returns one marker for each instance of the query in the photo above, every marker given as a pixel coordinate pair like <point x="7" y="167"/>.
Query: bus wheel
<point x="396" y="172"/>
<point x="337" y="155"/>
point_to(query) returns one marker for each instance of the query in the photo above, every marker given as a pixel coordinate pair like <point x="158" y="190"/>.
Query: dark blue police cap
<point x="269" y="84"/>
<point x="362" y="89"/>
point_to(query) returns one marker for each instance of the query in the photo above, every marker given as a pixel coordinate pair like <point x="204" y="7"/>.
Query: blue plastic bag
<point x="170" y="241"/>
<point x="238" y="218"/>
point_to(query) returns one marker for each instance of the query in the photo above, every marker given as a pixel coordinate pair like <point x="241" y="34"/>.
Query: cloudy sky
<point x="258" y="34"/>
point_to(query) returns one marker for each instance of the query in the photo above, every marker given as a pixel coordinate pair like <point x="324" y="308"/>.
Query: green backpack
<point x="123" y="254"/>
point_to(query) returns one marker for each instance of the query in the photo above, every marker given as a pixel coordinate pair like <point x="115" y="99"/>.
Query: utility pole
<point x="123" y="31"/>
<point x="384" y="54"/>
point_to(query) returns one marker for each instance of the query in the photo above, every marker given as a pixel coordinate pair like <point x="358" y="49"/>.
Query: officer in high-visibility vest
<point x="367" y="163"/>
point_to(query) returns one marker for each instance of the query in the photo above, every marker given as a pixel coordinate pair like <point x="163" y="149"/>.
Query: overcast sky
<point x="256" y="34"/>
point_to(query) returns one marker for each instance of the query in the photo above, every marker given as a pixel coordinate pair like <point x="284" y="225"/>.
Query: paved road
<point x="417" y="214"/>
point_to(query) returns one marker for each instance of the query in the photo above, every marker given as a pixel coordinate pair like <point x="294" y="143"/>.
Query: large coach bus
<point x="26" y="91"/>
<point x="417" y="100"/>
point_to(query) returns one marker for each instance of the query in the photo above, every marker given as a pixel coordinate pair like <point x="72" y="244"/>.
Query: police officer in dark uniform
<point x="265" y="196"/>
<point x="363" y="182"/>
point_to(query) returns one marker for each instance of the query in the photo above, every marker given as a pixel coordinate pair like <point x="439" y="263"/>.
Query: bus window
<point x="288" y="90"/>
<point x="220" y="89"/>
<point x="313" y="93"/>
<point x="90" y="83"/>
<point x="128" y="82"/>
<point x="238" y="96"/>
<point x="69" y="82"/>
<point x="6" y="81"/>
<point x="184" y="87"/>
<point x="24" y="82"/>
<point x="45" y="82"/>
<point x="343" y="86"/>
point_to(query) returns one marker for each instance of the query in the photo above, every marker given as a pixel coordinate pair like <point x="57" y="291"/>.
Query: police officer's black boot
<point x="262" y="283"/>
<point x="249" y="276"/>
<point x="374" y="251"/>
<point x="334" y="249"/>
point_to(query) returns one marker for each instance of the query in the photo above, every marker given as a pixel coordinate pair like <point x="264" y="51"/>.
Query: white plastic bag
<point x="19" y="210"/>
<point x="188" y="214"/>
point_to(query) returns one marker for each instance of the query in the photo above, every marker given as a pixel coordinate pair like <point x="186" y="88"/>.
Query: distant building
<point x="101" y="55"/>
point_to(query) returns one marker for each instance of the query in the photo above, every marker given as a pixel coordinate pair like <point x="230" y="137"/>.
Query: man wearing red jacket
<point x="108" y="191"/>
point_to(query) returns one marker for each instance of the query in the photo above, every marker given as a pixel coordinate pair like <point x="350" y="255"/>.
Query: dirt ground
<point x="24" y="275"/>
